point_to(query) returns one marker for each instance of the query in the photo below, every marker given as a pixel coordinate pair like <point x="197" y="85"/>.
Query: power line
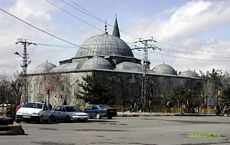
<point x="54" y="45"/>
<point x="189" y="58"/>
<point x="67" y="12"/>
<point x="166" y="54"/>
<point x="180" y="46"/>
<point x="83" y="10"/>
<point x="88" y="13"/>
<point x="52" y="35"/>
<point x="197" y="53"/>
<point x="59" y="38"/>
<point x="39" y="28"/>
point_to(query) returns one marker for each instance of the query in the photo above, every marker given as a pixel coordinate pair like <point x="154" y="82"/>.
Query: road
<point x="162" y="130"/>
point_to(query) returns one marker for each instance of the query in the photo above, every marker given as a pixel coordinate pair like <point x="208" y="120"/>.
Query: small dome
<point x="164" y="69"/>
<point x="129" y="66"/>
<point x="44" y="67"/>
<point x="189" y="73"/>
<point x="97" y="63"/>
<point x="104" y="45"/>
<point x="66" y="67"/>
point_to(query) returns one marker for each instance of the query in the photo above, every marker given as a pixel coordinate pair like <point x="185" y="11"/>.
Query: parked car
<point x="100" y="110"/>
<point x="33" y="112"/>
<point x="68" y="113"/>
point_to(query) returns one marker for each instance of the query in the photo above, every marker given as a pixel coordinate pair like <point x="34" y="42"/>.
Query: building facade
<point x="110" y="58"/>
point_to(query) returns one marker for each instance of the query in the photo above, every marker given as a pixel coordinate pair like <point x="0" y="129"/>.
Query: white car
<point x="68" y="113"/>
<point x="37" y="111"/>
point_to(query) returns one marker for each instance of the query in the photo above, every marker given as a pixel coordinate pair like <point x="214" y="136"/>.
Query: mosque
<point x="110" y="58"/>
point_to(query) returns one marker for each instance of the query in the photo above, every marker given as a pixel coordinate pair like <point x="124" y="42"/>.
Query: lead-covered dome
<point x="44" y="67"/>
<point x="129" y="66"/>
<point x="164" y="69"/>
<point x="66" y="67"/>
<point x="189" y="73"/>
<point x="104" y="45"/>
<point x="96" y="63"/>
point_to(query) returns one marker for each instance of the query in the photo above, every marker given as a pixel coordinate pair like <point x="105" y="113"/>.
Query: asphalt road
<point x="164" y="130"/>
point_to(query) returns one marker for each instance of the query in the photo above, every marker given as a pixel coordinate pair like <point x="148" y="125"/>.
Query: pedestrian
<point x="218" y="110"/>
<point x="226" y="110"/>
<point x="65" y="102"/>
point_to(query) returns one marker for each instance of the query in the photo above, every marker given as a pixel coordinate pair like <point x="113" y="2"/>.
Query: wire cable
<point x="88" y="13"/>
<point x="52" y="35"/>
<point x="67" y="12"/>
<point x="54" y="45"/>
<point x="189" y="58"/>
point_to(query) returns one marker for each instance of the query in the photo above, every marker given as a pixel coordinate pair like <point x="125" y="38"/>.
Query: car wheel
<point x="40" y="119"/>
<point x="67" y="119"/>
<point x="98" y="116"/>
<point x="110" y="117"/>
<point x="48" y="121"/>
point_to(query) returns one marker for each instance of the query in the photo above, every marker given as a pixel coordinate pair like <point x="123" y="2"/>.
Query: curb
<point x="128" y="114"/>
<point x="12" y="129"/>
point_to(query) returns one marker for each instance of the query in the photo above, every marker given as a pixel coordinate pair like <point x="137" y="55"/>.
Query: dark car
<point x="100" y="110"/>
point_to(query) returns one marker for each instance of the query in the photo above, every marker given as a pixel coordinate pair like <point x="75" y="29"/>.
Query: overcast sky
<point x="193" y="35"/>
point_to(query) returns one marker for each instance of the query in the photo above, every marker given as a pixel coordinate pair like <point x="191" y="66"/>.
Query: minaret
<point x="116" y="29"/>
<point x="106" y="27"/>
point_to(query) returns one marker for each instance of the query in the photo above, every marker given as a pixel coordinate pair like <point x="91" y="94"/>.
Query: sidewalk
<point x="138" y="114"/>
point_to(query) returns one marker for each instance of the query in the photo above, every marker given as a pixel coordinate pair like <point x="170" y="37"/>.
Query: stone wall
<point x="126" y="87"/>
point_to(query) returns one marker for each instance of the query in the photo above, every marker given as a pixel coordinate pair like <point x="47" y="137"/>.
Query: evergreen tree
<point x="95" y="90"/>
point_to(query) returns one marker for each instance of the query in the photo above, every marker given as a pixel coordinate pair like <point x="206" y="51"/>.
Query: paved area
<point x="154" y="130"/>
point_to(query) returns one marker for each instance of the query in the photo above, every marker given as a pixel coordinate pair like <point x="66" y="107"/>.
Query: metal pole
<point x="25" y="57"/>
<point x="145" y="69"/>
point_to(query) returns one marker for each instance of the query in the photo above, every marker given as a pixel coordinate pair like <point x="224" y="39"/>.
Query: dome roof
<point x="104" y="45"/>
<point x="189" y="73"/>
<point x="129" y="66"/>
<point x="44" y="67"/>
<point x="97" y="63"/>
<point x="164" y="69"/>
<point x="66" y="67"/>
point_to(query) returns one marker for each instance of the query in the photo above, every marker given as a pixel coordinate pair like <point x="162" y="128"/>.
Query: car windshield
<point x="32" y="105"/>
<point x="102" y="106"/>
<point x="70" y="109"/>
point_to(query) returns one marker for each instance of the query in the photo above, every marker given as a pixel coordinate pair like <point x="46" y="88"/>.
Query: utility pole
<point x="145" y="63"/>
<point x="25" y="63"/>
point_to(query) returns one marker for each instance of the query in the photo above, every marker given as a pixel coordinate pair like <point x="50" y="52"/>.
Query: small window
<point x="62" y="109"/>
<point x="39" y="106"/>
<point x="89" y="108"/>
<point x="94" y="108"/>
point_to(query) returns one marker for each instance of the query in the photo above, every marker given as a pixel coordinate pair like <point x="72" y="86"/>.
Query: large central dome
<point x="104" y="45"/>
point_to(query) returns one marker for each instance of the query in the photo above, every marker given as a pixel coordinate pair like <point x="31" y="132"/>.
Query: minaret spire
<point x="116" y="29"/>
<point x="106" y="27"/>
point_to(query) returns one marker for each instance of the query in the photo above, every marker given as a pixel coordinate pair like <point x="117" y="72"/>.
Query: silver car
<point x="68" y="113"/>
